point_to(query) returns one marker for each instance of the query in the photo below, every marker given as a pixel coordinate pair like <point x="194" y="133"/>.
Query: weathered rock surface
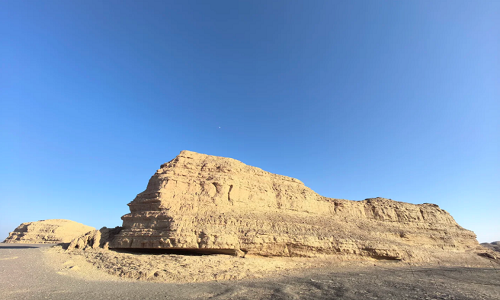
<point x="47" y="232"/>
<point x="94" y="239"/>
<point x="495" y="246"/>
<point x="220" y="205"/>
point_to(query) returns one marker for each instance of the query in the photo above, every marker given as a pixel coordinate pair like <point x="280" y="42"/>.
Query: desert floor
<point x="27" y="272"/>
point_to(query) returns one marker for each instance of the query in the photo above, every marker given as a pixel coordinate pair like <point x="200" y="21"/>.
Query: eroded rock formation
<point x="94" y="239"/>
<point x="47" y="232"/>
<point x="495" y="246"/>
<point x="218" y="204"/>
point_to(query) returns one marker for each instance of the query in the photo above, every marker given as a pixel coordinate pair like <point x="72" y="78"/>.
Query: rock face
<point x="47" y="232"/>
<point x="94" y="239"/>
<point x="220" y="205"/>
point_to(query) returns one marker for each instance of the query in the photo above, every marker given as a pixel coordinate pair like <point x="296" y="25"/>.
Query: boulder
<point x="214" y="204"/>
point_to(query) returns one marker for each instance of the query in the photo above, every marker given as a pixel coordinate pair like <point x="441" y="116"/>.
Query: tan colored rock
<point x="220" y="205"/>
<point x="495" y="246"/>
<point x="94" y="239"/>
<point x="489" y="250"/>
<point x="47" y="232"/>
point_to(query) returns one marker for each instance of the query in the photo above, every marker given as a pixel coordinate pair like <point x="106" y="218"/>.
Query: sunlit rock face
<point x="47" y="232"/>
<point x="214" y="204"/>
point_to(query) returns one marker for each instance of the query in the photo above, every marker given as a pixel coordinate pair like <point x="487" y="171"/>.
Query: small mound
<point x="47" y="232"/>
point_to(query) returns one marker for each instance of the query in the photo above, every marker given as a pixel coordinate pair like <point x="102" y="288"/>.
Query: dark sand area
<point x="25" y="273"/>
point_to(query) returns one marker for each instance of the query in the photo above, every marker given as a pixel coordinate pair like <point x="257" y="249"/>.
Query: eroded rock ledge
<point x="211" y="203"/>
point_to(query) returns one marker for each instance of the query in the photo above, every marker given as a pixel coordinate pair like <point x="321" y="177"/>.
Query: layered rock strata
<point x="47" y="232"/>
<point x="220" y="205"/>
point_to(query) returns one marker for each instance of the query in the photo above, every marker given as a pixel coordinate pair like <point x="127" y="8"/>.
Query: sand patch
<point x="99" y="264"/>
<point x="74" y="265"/>
<point x="9" y="258"/>
<point x="168" y="267"/>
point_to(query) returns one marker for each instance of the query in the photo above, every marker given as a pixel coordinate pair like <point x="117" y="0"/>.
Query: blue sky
<point x="358" y="99"/>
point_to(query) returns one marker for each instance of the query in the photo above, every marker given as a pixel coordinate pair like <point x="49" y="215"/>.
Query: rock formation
<point x="495" y="246"/>
<point x="94" y="239"/>
<point x="47" y="232"/>
<point x="220" y="205"/>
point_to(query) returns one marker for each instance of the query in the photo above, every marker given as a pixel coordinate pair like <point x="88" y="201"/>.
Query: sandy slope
<point x="32" y="273"/>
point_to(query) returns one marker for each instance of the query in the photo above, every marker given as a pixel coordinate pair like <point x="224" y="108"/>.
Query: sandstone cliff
<point x="220" y="205"/>
<point x="47" y="232"/>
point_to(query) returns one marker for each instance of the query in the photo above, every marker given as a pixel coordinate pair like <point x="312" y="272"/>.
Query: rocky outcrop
<point x="94" y="239"/>
<point x="47" y="232"/>
<point x="495" y="246"/>
<point x="220" y="205"/>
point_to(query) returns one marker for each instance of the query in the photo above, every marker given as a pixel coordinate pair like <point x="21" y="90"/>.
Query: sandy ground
<point x="36" y="272"/>
<point x="169" y="267"/>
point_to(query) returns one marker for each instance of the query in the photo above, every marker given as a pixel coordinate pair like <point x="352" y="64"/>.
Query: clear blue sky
<point x="397" y="99"/>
